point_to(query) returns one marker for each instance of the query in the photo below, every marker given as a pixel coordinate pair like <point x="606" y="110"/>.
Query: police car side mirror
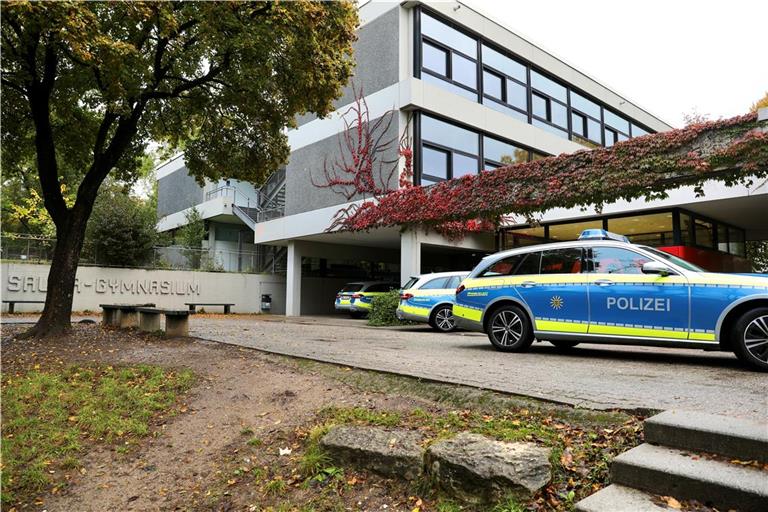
<point x="655" y="267"/>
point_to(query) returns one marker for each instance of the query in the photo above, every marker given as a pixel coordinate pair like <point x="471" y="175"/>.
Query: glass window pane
<point x="612" y="260"/>
<point x="586" y="106"/>
<point x="561" y="261"/>
<point x="621" y="137"/>
<point x="448" y="36"/>
<point x="463" y="165"/>
<point x="504" y="64"/>
<point x="551" y="129"/>
<point x="492" y="84"/>
<point x="685" y="229"/>
<point x="517" y="264"/>
<point x="495" y="105"/>
<point x="434" y="162"/>
<point x="522" y="237"/>
<point x="448" y="135"/>
<point x="559" y="114"/>
<point x="638" y="131"/>
<point x="722" y="238"/>
<point x="502" y="152"/>
<point x="547" y="86"/>
<point x="434" y="59"/>
<point x="571" y="231"/>
<point x="449" y="86"/>
<point x="464" y="70"/>
<point x="540" y="106"/>
<point x="615" y="121"/>
<point x="594" y="132"/>
<point x="577" y="122"/>
<point x="610" y="137"/>
<point x="654" y="229"/>
<point x="436" y="284"/>
<point x="736" y="242"/>
<point x="517" y="95"/>
<point x="529" y="265"/>
<point x="704" y="233"/>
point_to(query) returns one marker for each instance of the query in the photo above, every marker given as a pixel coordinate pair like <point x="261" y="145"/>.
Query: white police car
<point x="429" y="298"/>
<point x="356" y="298"/>
<point x="603" y="289"/>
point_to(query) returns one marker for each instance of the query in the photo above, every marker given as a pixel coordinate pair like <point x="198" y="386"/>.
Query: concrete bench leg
<point x="11" y="307"/>
<point x="128" y="319"/>
<point x="176" y="325"/>
<point x="226" y="309"/>
<point x="149" y="322"/>
<point x="109" y="317"/>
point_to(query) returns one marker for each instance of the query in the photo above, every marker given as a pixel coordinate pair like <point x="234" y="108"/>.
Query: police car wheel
<point x="442" y="319"/>
<point x="509" y="329"/>
<point x="750" y="336"/>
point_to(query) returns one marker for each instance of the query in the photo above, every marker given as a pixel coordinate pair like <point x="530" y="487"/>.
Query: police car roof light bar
<point x="601" y="234"/>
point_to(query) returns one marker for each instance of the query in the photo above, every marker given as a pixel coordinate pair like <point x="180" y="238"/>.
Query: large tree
<point x="86" y="85"/>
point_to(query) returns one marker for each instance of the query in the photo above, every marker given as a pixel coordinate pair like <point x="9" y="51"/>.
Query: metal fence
<point x="32" y="249"/>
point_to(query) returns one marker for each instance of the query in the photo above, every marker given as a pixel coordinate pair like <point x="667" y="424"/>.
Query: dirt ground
<point x="199" y="459"/>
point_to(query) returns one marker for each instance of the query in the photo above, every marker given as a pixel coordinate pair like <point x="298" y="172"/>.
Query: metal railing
<point x="228" y="191"/>
<point x="31" y="249"/>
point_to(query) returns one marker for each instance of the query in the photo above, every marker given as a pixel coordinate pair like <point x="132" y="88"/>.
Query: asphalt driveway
<point x="592" y="376"/>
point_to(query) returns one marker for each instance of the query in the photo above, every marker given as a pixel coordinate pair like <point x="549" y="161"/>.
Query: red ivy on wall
<point x="729" y="150"/>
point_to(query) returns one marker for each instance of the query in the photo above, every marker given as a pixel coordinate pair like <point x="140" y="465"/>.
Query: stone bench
<point x="121" y="315"/>
<point x="193" y="305"/>
<point x="12" y="303"/>
<point x="176" y="320"/>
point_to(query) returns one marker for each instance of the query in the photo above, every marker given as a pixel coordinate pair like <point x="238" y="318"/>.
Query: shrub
<point x="383" y="309"/>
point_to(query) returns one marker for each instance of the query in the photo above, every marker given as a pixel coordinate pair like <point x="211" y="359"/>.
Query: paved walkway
<point x="593" y="376"/>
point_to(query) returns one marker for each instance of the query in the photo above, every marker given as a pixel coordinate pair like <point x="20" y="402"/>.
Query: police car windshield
<point x="412" y="281"/>
<point x="674" y="259"/>
<point x="352" y="287"/>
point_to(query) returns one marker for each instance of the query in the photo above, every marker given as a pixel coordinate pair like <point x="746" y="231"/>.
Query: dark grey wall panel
<point x="377" y="57"/>
<point x="176" y="192"/>
<point x="307" y="162"/>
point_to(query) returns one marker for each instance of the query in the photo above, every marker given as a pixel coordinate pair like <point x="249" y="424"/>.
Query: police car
<point x="429" y="299"/>
<point x="356" y="298"/>
<point x="603" y="289"/>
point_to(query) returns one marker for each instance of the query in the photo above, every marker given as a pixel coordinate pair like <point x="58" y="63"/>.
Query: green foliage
<point x="757" y="253"/>
<point x="191" y="236"/>
<point x="383" y="309"/>
<point x="48" y="414"/>
<point x="121" y="230"/>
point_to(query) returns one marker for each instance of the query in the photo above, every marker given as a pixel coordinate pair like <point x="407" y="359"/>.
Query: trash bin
<point x="266" y="302"/>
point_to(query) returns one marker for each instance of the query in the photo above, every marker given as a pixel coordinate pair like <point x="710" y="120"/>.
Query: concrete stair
<point x="677" y="460"/>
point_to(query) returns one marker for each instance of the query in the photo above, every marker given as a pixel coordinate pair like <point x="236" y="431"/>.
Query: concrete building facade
<point x="469" y="95"/>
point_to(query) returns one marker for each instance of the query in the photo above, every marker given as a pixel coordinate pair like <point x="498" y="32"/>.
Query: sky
<point x="670" y="57"/>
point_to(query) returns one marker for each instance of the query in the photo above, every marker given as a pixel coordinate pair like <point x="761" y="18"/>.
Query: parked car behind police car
<point x="429" y="298"/>
<point x="603" y="289"/>
<point x="356" y="297"/>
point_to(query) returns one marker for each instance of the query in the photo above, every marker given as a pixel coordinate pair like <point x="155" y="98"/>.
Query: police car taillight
<point x="406" y="296"/>
<point x="460" y="289"/>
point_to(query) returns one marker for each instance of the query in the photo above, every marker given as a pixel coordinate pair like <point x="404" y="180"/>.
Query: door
<point x="557" y="296"/>
<point x="624" y="302"/>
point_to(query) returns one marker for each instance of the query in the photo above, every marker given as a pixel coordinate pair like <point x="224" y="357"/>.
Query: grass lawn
<point x="49" y="415"/>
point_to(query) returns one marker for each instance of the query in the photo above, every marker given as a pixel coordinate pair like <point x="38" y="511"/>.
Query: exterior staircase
<point x="689" y="456"/>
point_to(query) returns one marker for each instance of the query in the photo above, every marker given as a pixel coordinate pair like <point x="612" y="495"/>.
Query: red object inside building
<point x="709" y="259"/>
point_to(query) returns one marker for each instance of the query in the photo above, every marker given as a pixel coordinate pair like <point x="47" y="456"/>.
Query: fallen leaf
<point x="672" y="502"/>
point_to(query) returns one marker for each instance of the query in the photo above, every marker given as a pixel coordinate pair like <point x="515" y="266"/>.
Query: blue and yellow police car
<point x="604" y="289"/>
<point x="429" y="299"/>
<point x="356" y="298"/>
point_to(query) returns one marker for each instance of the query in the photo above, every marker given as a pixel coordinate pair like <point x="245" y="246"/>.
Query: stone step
<point x="731" y="437"/>
<point x="673" y="472"/>
<point x="617" y="498"/>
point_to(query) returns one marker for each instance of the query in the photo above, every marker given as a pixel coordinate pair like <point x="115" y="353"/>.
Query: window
<point x="380" y="288"/>
<point x="704" y="233"/>
<point x="561" y="261"/>
<point x="613" y="260"/>
<point x="736" y="244"/>
<point x="686" y="228"/>
<point x="352" y="287"/>
<point x="614" y="121"/>
<point x="493" y="85"/>
<point x="571" y="230"/>
<point x="540" y="106"/>
<point x="504" y="64"/>
<point x="498" y="152"/>
<point x="654" y="229"/>
<point x="638" y="131"/>
<point x="548" y="87"/>
<point x="593" y="131"/>
<point x="517" y="95"/>
<point x="722" y="238"/>
<point x="519" y="264"/>
<point x="435" y="59"/>
<point x="463" y="165"/>
<point x="455" y="281"/>
<point x="464" y="71"/>
<point x="559" y="114"/>
<point x="610" y="137"/>
<point x="434" y="164"/>
<point x="449" y="135"/>
<point x="447" y="35"/>
<point x="436" y="284"/>
<point x="579" y="124"/>
<point x="584" y="105"/>
<point x="409" y="284"/>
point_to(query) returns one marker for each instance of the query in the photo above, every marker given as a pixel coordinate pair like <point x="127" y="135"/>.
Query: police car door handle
<point x="603" y="282"/>
<point x="528" y="284"/>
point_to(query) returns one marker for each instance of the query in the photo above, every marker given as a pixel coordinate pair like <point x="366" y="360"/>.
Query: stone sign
<point x="21" y="283"/>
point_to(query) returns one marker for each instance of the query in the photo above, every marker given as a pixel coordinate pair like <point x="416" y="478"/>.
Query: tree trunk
<point x="56" y="317"/>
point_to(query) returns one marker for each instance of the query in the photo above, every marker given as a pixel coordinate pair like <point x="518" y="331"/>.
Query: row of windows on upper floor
<point x="471" y="68"/>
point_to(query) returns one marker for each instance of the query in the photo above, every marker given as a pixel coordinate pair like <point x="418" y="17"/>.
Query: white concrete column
<point x="410" y="255"/>
<point x="293" y="280"/>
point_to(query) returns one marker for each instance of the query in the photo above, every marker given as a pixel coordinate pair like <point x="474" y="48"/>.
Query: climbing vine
<point x="730" y="151"/>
